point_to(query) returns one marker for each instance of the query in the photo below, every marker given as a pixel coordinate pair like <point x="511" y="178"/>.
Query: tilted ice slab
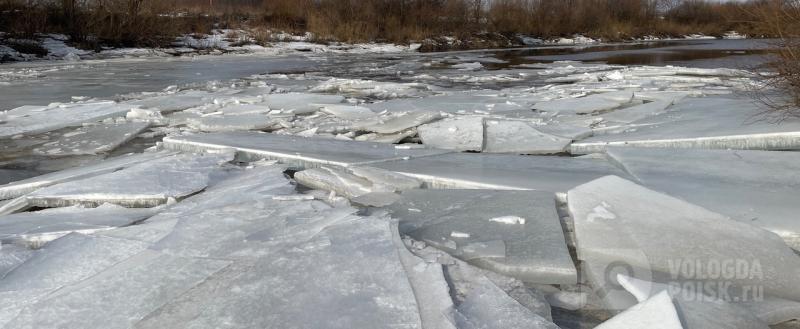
<point x="354" y="182"/>
<point x="278" y="289"/>
<point x="709" y="123"/>
<point x="504" y="172"/>
<point x="20" y="188"/>
<point x="755" y="187"/>
<point x="120" y="296"/>
<point x="146" y="184"/>
<point x="586" y="105"/>
<point x="616" y="220"/>
<point x="520" y="137"/>
<point x="92" y="139"/>
<point x="176" y="102"/>
<point x="239" y="109"/>
<point x="37" y="228"/>
<point x="397" y="123"/>
<point x="69" y="259"/>
<point x="216" y="123"/>
<point x="12" y="256"/>
<point x="702" y="311"/>
<point x="307" y="152"/>
<point x="458" y="103"/>
<point x="470" y="225"/>
<point x="658" y="312"/>
<point x="61" y="116"/>
<point x="371" y="89"/>
<point x="300" y="103"/>
<point x="459" y="133"/>
<point x="348" y="112"/>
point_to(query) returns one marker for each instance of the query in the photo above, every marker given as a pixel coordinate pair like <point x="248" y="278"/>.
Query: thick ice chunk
<point x="279" y="288"/>
<point x="92" y="139"/>
<point x="339" y="181"/>
<point x="618" y="221"/>
<point x="459" y="133"/>
<point x="37" y="228"/>
<point x="69" y="259"/>
<point x="397" y="123"/>
<point x="19" y="188"/>
<point x="309" y="152"/>
<point x="507" y="136"/>
<point x="300" y="103"/>
<point x="397" y="182"/>
<point x="348" y="112"/>
<point x="459" y="221"/>
<point x="241" y="109"/>
<point x="755" y="187"/>
<point x="585" y="105"/>
<point x="708" y="123"/>
<point x="57" y="117"/>
<point x="146" y="184"/>
<point x="657" y="312"/>
<point x="504" y="172"/>
<point x="372" y="89"/>
<point x="121" y="296"/>
<point x="215" y="123"/>
<point x="175" y="102"/>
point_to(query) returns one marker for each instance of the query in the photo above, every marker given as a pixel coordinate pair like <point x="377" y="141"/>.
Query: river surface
<point x="41" y="83"/>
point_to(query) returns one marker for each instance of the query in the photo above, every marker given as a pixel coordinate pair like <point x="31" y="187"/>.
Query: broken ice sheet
<point x="37" y="228"/>
<point x="146" y="184"/>
<point x="69" y="259"/>
<point x="66" y="115"/>
<point x="504" y="172"/>
<point x="120" y="296"/>
<point x="755" y="187"/>
<point x="462" y="102"/>
<point x="658" y="312"/>
<point x="709" y="123"/>
<point x="338" y="181"/>
<point x="396" y="123"/>
<point x="12" y="256"/>
<point x="175" y="102"/>
<point x="215" y="123"/>
<point x="19" y="188"/>
<point x="507" y="136"/>
<point x="533" y="252"/>
<point x="371" y="89"/>
<point x="278" y="289"/>
<point x="585" y="105"/>
<point x="348" y="112"/>
<point x="300" y="103"/>
<point x="302" y="151"/>
<point x="463" y="133"/>
<point x="618" y="221"/>
<point x="92" y="139"/>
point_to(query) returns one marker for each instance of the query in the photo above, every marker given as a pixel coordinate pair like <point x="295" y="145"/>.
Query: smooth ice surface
<point x="755" y="187"/>
<point x="19" y="188"/>
<point x="294" y="150"/>
<point x="658" y="312"/>
<point x="708" y="123"/>
<point x="507" y="136"/>
<point x="69" y="259"/>
<point x="92" y="139"/>
<point x="618" y="221"/>
<point x="300" y="103"/>
<point x="348" y="273"/>
<point x="460" y="222"/>
<point x="504" y="172"/>
<point x="460" y="133"/>
<point x="36" y="228"/>
<point x="61" y="116"/>
<point x="145" y="184"/>
<point x="120" y="296"/>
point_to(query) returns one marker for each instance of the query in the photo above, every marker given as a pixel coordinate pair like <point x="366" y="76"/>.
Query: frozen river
<point x="604" y="186"/>
<point x="43" y="83"/>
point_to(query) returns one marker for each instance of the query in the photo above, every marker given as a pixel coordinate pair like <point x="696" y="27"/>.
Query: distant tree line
<point x="154" y="22"/>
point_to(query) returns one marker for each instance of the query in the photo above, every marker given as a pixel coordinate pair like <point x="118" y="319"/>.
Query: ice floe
<point x="92" y="139"/>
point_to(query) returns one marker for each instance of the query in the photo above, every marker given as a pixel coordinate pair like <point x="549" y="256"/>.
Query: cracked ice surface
<point x="532" y="251"/>
<point x="618" y="221"/>
<point x="503" y="172"/>
<point x="59" y="116"/>
<point x="143" y="185"/>
<point x="92" y="139"/>
<point x="755" y="187"/>
<point x="294" y="150"/>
